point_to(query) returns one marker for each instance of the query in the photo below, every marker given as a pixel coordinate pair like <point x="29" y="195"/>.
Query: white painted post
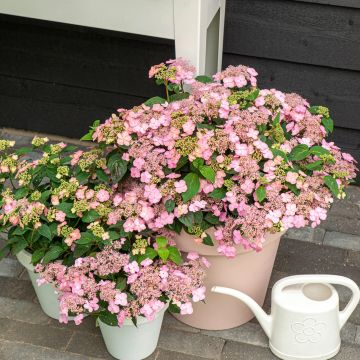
<point x="199" y="32"/>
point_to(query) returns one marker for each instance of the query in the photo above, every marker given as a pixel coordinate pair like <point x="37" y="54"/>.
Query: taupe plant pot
<point x="248" y="272"/>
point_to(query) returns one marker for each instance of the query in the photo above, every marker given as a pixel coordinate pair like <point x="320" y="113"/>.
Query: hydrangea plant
<point x="117" y="284"/>
<point x="228" y="155"/>
<point x="56" y="202"/>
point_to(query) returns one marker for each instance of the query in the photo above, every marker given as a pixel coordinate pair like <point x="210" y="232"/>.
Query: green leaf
<point x="175" y="226"/>
<point x="114" y="235"/>
<point x="188" y="219"/>
<point x="52" y="254"/>
<point x="193" y="186"/>
<point x="332" y="184"/>
<point x="163" y="253"/>
<point x="108" y="318"/>
<point x="260" y="193"/>
<point x="318" y="151"/>
<point x="212" y="219"/>
<point x="150" y="253"/>
<point x="182" y="162"/>
<point x="174" y="255"/>
<point x="179" y="97"/>
<point x="88" y="136"/>
<point x="66" y="208"/>
<point x="314" y="109"/>
<point x="102" y="176"/>
<point x="21" y="244"/>
<point x="19" y="231"/>
<point x="207" y="172"/>
<point x="161" y="241"/>
<point x="316" y="165"/>
<point x="82" y="176"/>
<point x="293" y="188"/>
<point x="121" y="283"/>
<point x="95" y="124"/>
<point x="69" y="148"/>
<point x="90" y="216"/>
<point x="86" y="238"/>
<point x="328" y="124"/>
<point x="205" y="126"/>
<point x="208" y="240"/>
<point x="174" y="308"/>
<point x="37" y="256"/>
<point x="204" y="79"/>
<point x="23" y="150"/>
<point x="117" y="167"/>
<point x="276" y="119"/>
<point x="154" y="100"/>
<point x="21" y="193"/>
<point x="45" y="231"/>
<point x="80" y="250"/>
<point x="218" y="193"/>
<point x="278" y="152"/>
<point x="45" y="195"/>
<point x="197" y="163"/>
<point x="198" y="217"/>
<point x="299" y="152"/>
<point x="253" y="95"/>
<point x="170" y="206"/>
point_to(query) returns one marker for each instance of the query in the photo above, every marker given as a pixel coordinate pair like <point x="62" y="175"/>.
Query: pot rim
<point x="24" y="258"/>
<point x="211" y="251"/>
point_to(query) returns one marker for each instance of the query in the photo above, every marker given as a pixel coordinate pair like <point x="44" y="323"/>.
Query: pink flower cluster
<point x="91" y="285"/>
<point x="256" y="160"/>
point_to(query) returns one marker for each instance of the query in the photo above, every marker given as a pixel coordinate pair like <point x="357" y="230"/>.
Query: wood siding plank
<point x="56" y="109"/>
<point x="346" y="3"/>
<point x="77" y="57"/>
<point x="294" y="31"/>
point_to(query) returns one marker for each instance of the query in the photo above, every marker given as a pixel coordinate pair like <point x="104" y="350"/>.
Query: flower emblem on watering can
<point x="309" y="330"/>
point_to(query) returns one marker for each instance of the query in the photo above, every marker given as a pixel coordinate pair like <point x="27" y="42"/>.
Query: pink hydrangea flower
<point x="103" y="195"/>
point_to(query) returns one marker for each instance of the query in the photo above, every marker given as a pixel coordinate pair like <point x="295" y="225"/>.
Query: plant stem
<point x="167" y="91"/>
<point x="12" y="184"/>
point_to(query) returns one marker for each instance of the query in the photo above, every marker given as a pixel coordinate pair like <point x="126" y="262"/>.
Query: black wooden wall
<point x="58" y="78"/>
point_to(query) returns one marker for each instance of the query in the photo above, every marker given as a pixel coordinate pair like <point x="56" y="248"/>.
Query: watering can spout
<point x="264" y="319"/>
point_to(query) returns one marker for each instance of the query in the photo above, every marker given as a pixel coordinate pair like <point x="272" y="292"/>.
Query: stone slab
<point x="172" y="323"/>
<point x="306" y="234"/>
<point x="10" y="267"/>
<point x="341" y="240"/>
<point x="201" y="345"/>
<point x="353" y="258"/>
<point x="341" y="224"/>
<point x="16" y="289"/>
<point x="88" y="345"/>
<point x="10" y="350"/>
<point x="41" y="335"/>
<point x="346" y="208"/>
<point x="22" y="310"/>
<point x="239" y="351"/>
<point x="171" y="355"/>
<point x="348" y="352"/>
<point x="248" y="333"/>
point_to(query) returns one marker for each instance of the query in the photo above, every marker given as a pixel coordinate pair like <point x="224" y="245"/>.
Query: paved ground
<point x="26" y="333"/>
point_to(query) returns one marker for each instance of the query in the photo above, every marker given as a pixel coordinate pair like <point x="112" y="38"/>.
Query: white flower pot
<point x="48" y="299"/>
<point x="130" y="342"/>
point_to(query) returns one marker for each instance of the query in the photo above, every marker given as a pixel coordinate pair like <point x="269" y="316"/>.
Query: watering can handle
<point x="326" y="279"/>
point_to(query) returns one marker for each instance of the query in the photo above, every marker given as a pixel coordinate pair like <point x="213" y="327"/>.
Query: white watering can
<point x="305" y="320"/>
